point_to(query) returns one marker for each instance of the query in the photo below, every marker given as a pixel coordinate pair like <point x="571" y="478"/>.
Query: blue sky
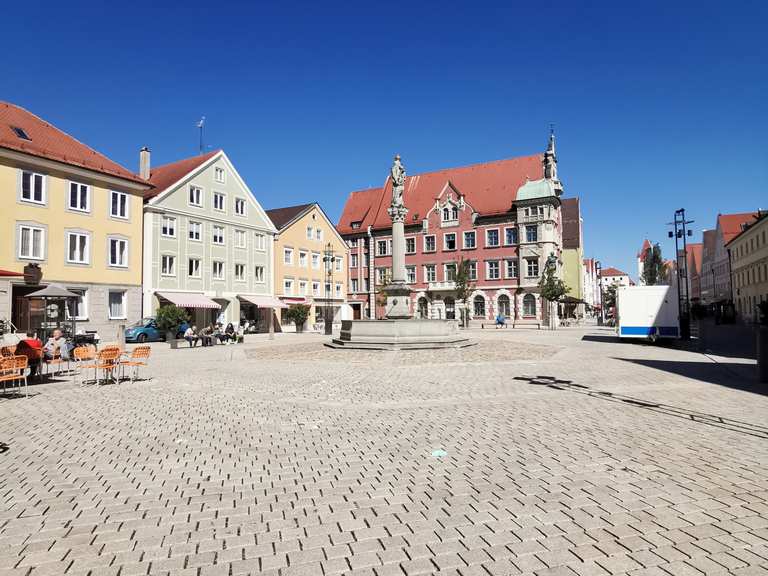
<point x="657" y="105"/>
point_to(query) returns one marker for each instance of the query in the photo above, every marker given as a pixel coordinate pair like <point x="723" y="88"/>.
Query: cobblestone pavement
<point x="532" y="453"/>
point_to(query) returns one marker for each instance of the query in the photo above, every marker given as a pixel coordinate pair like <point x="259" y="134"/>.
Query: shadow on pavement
<point x="554" y="383"/>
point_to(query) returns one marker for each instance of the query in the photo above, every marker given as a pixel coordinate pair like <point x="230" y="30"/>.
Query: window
<point x="310" y="232"/>
<point x="410" y="245"/>
<point x="195" y="230"/>
<point x="339" y="263"/>
<point x="327" y="288"/>
<point x="31" y="242"/>
<point x="219" y="175"/>
<point x="429" y="273"/>
<point x="168" y="227"/>
<point x="259" y="242"/>
<point x="287" y="287"/>
<point x="218" y="234"/>
<point x="532" y="267"/>
<point x="381" y="276"/>
<point x="316" y="288"/>
<point x="493" y="270"/>
<point x="410" y="274"/>
<point x="318" y="234"/>
<point x="315" y="261"/>
<point x="449" y="241"/>
<point x="510" y="236"/>
<point x="450" y="272"/>
<point x="116" y="305"/>
<point x="531" y="233"/>
<point x="241" y="239"/>
<point x="303" y="259"/>
<point x="258" y="273"/>
<point x="354" y="283"/>
<point x="118" y="206"/>
<point x="356" y="225"/>
<point x="381" y="248"/>
<point x="118" y="252"/>
<point x="288" y="256"/>
<point x="366" y="260"/>
<point x="240" y="206"/>
<point x="512" y="271"/>
<point x="240" y="272"/>
<point x="218" y="270"/>
<point x="478" y="304"/>
<point x="194" y="268"/>
<point x="32" y="187"/>
<point x="472" y="270"/>
<point x="218" y="201"/>
<point x="21" y="133"/>
<point x="77" y="309"/>
<point x="529" y="305"/>
<point x="79" y="197"/>
<point x="168" y="266"/>
<point x="450" y="213"/>
<point x="491" y="238"/>
<point x="195" y="196"/>
<point x="429" y="244"/>
<point x="353" y="261"/>
<point x="78" y="248"/>
<point x="503" y="306"/>
<point x="353" y="243"/>
<point x="469" y="240"/>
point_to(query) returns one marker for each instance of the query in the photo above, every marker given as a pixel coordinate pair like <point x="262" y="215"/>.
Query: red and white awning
<point x="294" y="299"/>
<point x="262" y="301"/>
<point x="189" y="300"/>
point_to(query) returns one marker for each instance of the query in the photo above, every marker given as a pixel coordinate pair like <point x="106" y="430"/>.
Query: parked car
<point x="145" y="330"/>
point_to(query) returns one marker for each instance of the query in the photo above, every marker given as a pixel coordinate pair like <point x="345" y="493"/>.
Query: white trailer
<point x="647" y="312"/>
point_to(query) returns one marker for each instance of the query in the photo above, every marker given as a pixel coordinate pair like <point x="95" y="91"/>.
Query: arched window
<point x="504" y="308"/>
<point x="423" y="308"/>
<point x="446" y="214"/>
<point x="529" y="305"/>
<point x="479" y="306"/>
<point x="454" y="213"/>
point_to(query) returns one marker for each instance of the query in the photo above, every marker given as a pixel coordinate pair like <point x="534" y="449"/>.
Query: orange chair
<point x="136" y="360"/>
<point x="82" y="355"/>
<point x="57" y="360"/>
<point x="14" y="369"/>
<point x="7" y="351"/>
<point x="108" y="360"/>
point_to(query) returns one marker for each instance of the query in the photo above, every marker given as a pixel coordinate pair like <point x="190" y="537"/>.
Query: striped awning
<point x="189" y="300"/>
<point x="262" y="301"/>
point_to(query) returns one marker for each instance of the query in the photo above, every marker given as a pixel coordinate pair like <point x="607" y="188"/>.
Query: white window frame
<point x="315" y="288"/>
<point x="240" y="201"/>
<point x="198" y="268"/>
<point x="241" y="276"/>
<point x="408" y="271"/>
<point x="447" y="265"/>
<point x="110" y="263"/>
<point x="315" y="261"/>
<point x="199" y="189"/>
<point x="339" y="263"/>
<point x="302" y="287"/>
<point x="192" y="225"/>
<point x="427" y="250"/>
<point x="498" y="238"/>
<point x="80" y="187"/>
<point x="472" y="270"/>
<point x="354" y="284"/>
<point x="303" y="261"/>
<point x="167" y="265"/>
<point x="528" y="261"/>
<point x="412" y="239"/>
<point x="241" y="239"/>
<point x="319" y="234"/>
<point x="488" y="275"/>
<point x="84" y="299"/>
<point x="222" y="238"/>
<point x="87" y="257"/>
<point x="517" y="235"/>
<point x="222" y="270"/>
<point x="464" y="239"/>
<point x="536" y="228"/>
<point x="258" y="274"/>
<point x="310" y="233"/>
<point x="507" y="263"/>
<point x="32" y="230"/>
<point x="353" y="260"/>
<point x="288" y="256"/>
<point x="123" y="305"/>
<point x="43" y="188"/>
<point x="427" y="269"/>
<point x="219" y="170"/>
<point x="445" y="242"/>
<point x="112" y="195"/>
<point x="260" y="242"/>
<point x="168" y="230"/>
<point x="219" y="195"/>
<point x="337" y="292"/>
<point x="288" y="286"/>
<point x="387" y="244"/>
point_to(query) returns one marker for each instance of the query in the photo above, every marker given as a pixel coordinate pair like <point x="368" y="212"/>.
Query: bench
<point x="525" y="323"/>
<point x="505" y="325"/>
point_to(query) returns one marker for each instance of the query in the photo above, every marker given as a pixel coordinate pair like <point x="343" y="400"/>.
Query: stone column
<point x="398" y="292"/>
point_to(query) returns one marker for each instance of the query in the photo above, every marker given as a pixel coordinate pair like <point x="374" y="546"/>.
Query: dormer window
<point x="450" y="213"/>
<point x="20" y="133"/>
<point x="356" y="225"/>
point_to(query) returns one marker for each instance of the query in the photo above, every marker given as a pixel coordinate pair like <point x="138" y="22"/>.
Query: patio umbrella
<point x="53" y="292"/>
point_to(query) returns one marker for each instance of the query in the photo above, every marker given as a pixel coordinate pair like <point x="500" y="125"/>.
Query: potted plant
<point x="168" y="320"/>
<point x="298" y="314"/>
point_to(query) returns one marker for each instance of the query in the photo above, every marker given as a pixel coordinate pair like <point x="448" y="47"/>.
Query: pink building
<point x="503" y="217"/>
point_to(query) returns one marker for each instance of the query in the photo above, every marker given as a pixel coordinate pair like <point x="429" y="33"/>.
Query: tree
<point x="169" y="317"/>
<point x="298" y="314"/>
<point x="464" y="288"/>
<point x="654" y="271"/>
<point x="609" y="297"/>
<point x="551" y="287"/>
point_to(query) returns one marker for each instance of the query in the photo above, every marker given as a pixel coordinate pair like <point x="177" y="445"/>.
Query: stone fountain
<point x="399" y="330"/>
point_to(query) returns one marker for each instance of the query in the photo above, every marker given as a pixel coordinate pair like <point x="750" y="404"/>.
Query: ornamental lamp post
<point x="598" y="271"/>
<point x="329" y="259"/>
<point x="680" y="231"/>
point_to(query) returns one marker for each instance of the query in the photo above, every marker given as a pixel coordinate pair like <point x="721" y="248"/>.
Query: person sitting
<point x="501" y="321"/>
<point x="190" y="335"/>
<point x="206" y="335"/>
<point x="230" y="333"/>
<point x="56" y="344"/>
<point x="31" y="347"/>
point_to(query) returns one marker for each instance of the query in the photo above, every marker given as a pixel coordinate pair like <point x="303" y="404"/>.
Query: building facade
<point x="310" y="264"/>
<point x="613" y="277"/>
<point x="591" y="289"/>
<point x="78" y="216"/>
<point x="503" y="217"/>
<point x="208" y="244"/>
<point x="716" y="266"/>
<point x="573" y="255"/>
<point x="748" y="252"/>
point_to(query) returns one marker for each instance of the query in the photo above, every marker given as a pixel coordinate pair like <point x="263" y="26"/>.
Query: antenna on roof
<point x="200" y="124"/>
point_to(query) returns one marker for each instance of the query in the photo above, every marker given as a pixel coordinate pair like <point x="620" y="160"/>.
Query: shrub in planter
<point x="298" y="314"/>
<point x="168" y="319"/>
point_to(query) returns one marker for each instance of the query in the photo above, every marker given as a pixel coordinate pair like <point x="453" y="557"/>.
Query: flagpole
<point x="200" y="125"/>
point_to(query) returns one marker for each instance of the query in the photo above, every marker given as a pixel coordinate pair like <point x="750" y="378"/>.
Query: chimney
<point x="144" y="163"/>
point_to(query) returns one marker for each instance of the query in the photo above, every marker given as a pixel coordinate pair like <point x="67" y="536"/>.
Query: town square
<point x="383" y="290"/>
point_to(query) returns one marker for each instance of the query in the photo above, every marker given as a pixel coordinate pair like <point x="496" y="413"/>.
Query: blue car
<point x="145" y="330"/>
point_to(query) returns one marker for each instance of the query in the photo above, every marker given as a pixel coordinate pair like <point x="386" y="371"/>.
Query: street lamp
<point x="329" y="259"/>
<point x="598" y="272"/>
<point x="682" y="270"/>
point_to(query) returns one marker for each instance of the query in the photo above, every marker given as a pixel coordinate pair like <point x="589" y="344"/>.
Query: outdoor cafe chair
<point x="108" y="361"/>
<point x="136" y="360"/>
<point x="7" y="351"/>
<point x="56" y="361"/>
<point x="13" y="369"/>
<point x="82" y="355"/>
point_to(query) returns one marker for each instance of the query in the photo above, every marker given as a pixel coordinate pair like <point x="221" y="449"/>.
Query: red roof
<point x="644" y="249"/>
<point x="489" y="188"/>
<point x="161" y="177"/>
<point x="612" y="272"/>
<point x="8" y="273"/>
<point x="731" y="224"/>
<point x="695" y="252"/>
<point x="47" y="141"/>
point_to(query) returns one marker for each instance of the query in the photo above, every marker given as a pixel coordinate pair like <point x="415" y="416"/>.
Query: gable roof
<point x="47" y="141"/>
<point x="490" y="188"/>
<point x="571" y="214"/>
<point x="644" y="249"/>
<point x="612" y="272"/>
<point x="281" y="217"/>
<point x="694" y="255"/>
<point x="162" y="177"/>
<point x="731" y="224"/>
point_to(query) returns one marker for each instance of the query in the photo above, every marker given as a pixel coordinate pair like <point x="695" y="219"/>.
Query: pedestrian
<point x="32" y="348"/>
<point x="190" y="335"/>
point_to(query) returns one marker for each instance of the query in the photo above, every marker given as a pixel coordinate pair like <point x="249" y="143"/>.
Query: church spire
<point x="550" y="159"/>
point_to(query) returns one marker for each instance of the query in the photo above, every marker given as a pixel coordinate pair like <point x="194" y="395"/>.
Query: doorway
<point x="450" y="309"/>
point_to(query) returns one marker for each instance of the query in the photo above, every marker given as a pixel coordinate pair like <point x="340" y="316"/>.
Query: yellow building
<point x="74" y="213"/>
<point x="310" y="264"/>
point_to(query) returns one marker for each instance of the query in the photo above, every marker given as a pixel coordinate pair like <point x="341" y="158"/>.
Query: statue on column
<point x="398" y="182"/>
